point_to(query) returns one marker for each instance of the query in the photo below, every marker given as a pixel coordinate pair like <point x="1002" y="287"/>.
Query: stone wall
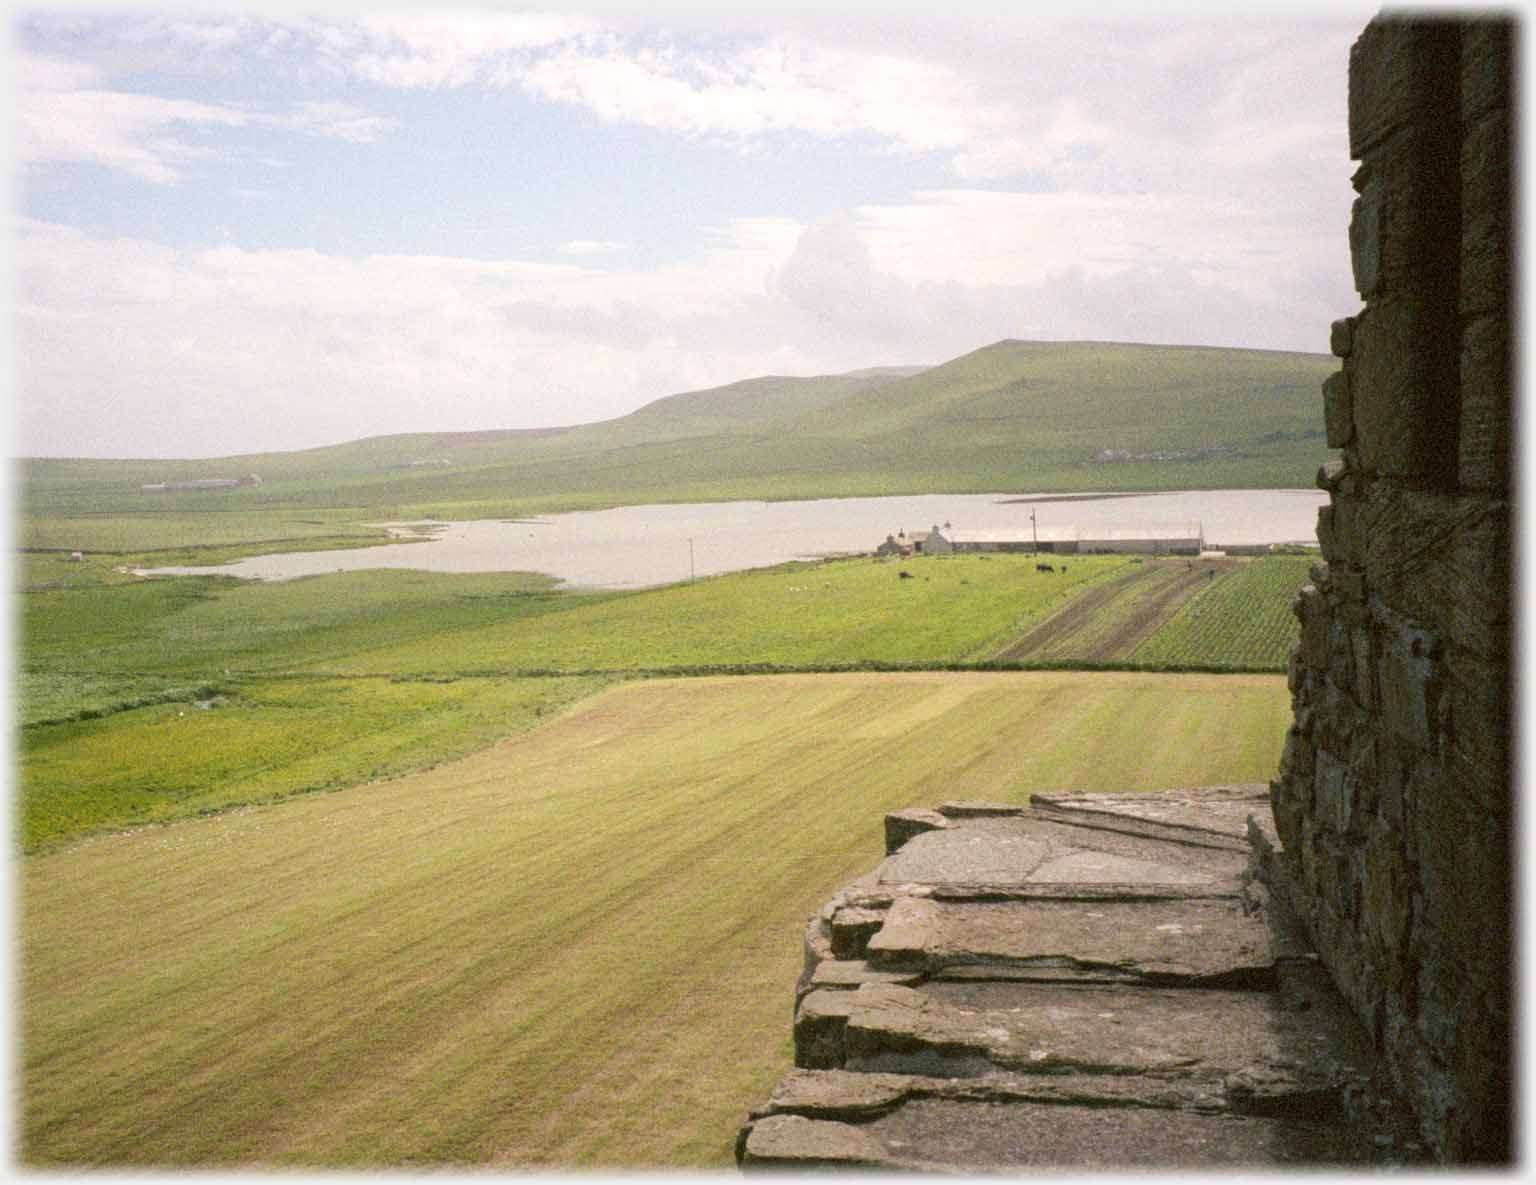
<point x="1394" y="796"/>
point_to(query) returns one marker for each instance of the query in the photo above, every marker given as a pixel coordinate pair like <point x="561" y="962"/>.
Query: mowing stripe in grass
<point x="575" y="948"/>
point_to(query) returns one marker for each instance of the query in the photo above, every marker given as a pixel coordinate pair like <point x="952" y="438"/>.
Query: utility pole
<point x="690" y="559"/>
<point x="1034" y="533"/>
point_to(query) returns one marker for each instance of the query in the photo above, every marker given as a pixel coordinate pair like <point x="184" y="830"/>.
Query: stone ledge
<point x="1051" y="1015"/>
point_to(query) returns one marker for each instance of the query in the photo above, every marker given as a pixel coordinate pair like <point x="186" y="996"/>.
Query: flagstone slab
<point x="1207" y="816"/>
<point x="966" y="1030"/>
<point x="1185" y="942"/>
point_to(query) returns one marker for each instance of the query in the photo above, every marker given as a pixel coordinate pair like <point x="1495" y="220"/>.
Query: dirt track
<point x="1110" y="620"/>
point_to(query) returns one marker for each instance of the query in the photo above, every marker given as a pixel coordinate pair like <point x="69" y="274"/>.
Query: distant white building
<point x="1182" y="540"/>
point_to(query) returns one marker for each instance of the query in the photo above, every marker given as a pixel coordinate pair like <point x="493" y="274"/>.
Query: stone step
<point x="951" y="1135"/>
<point x="1268" y="1116"/>
<point x="1209" y="816"/>
<point x="961" y="1029"/>
<point x="1188" y="942"/>
<point x="1100" y="981"/>
<point x="1018" y="851"/>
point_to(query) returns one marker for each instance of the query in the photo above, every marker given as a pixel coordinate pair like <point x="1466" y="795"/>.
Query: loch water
<point x="641" y="546"/>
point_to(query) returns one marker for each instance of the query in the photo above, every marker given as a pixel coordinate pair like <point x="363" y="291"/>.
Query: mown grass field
<point x="575" y="948"/>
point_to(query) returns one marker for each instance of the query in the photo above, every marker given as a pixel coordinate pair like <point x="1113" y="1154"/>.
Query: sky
<point x="244" y="229"/>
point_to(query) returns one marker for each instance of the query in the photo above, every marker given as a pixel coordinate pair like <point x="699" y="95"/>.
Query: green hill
<point x="1013" y="416"/>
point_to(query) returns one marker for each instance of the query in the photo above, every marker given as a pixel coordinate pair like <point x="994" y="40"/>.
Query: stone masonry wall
<point x="1393" y="800"/>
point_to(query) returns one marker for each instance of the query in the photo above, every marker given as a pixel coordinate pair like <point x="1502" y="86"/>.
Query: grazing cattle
<point x="1044" y="568"/>
<point x="905" y="575"/>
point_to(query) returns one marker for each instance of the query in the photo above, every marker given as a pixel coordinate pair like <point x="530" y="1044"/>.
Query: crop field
<point x="1210" y="613"/>
<point x="1243" y="620"/>
<point x="575" y="948"/>
<point x="1107" y="622"/>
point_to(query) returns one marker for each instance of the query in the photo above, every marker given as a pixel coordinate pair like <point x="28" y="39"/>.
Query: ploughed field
<point x="574" y="947"/>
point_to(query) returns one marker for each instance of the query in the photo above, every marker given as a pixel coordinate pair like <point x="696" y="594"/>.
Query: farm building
<point x="1184" y="540"/>
<point x="902" y="543"/>
<point x="1047" y="540"/>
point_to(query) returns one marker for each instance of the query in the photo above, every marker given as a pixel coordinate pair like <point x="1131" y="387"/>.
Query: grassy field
<point x="146" y="700"/>
<point x="1011" y="416"/>
<point x="249" y="741"/>
<point x="955" y="608"/>
<point x="575" y="948"/>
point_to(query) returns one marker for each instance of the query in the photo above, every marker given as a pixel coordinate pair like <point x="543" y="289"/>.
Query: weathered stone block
<point x="901" y="826"/>
<point x="1487" y="74"/>
<point x="1363" y="652"/>
<point x="1409" y="679"/>
<point x="1331" y="793"/>
<point x="1298" y="757"/>
<point x="1401" y="72"/>
<point x="1408" y="197"/>
<point x="1480" y="615"/>
<point x="1386" y="898"/>
<point x="1341" y="523"/>
<point x="1487" y="421"/>
<point x="1330" y="473"/>
<point x="1348" y="584"/>
<point x="821" y="1026"/>
<point x="1403" y="391"/>
<point x="1326" y="538"/>
<point x="852" y="928"/>
<point x="1463" y="861"/>
<point x="1338" y="415"/>
<point x="1480" y="759"/>
<point x="1365" y="218"/>
<point x="1312" y="609"/>
<point x="1485" y="216"/>
<point x="1341" y="335"/>
<point x="1289" y="803"/>
<point x="1408" y="539"/>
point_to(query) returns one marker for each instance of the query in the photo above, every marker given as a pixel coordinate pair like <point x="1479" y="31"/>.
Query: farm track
<point x="1135" y="605"/>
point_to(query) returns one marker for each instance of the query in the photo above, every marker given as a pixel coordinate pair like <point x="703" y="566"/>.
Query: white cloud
<point x="441" y="49"/>
<point x="119" y="130"/>
<point x="591" y="247"/>
<point x="230" y="350"/>
<point x="65" y="115"/>
<point x="340" y="121"/>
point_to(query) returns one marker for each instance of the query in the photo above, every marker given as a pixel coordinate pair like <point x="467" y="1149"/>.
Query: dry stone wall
<point x="1393" y="800"/>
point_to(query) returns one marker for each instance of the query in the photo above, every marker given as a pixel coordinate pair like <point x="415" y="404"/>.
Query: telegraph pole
<point x="690" y="559"/>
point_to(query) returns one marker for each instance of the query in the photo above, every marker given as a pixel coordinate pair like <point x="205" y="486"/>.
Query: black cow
<point x="1044" y="568"/>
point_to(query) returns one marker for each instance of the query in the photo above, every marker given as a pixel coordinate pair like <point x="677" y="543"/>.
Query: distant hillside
<point x="1014" y="416"/>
